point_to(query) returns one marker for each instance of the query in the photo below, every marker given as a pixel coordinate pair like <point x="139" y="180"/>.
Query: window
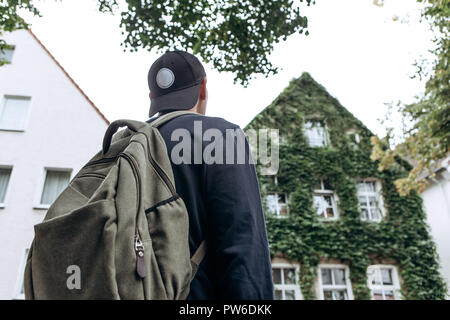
<point x="285" y="282"/>
<point x="55" y="182"/>
<point x="5" y="174"/>
<point x="14" y="112"/>
<point x="316" y="133"/>
<point x="354" y="138"/>
<point x="383" y="282"/>
<point x="7" y="54"/>
<point x="334" y="282"/>
<point x="325" y="200"/>
<point x="19" y="292"/>
<point x="370" y="200"/>
<point x="277" y="204"/>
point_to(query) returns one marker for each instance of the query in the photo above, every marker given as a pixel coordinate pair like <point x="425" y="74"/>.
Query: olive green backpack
<point x="119" y="230"/>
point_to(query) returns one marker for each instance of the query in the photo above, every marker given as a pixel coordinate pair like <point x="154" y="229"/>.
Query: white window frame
<point x="378" y="196"/>
<point x="295" y="287"/>
<point x="395" y="287"/>
<point x="27" y="115"/>
<point x="357" y="137"/>
<point x="18" y="295"/>
<point x="324" y="126"/>
<point x="334" y="200"/>
<point x="13" y="49"/>
<point x="347" y="286"/>
<point x="278" y="209"/>
<point x="3" y="204"/>
<point x="38" y="205"/>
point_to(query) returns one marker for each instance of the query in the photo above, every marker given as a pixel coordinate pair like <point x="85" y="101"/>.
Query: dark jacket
<point x="224" y="206"/>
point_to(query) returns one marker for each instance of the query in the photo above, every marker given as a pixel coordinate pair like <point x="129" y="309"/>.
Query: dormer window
<point x="316" y="133"/>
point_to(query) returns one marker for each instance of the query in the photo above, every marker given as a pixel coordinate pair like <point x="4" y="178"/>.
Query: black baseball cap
<point x="174" y="81"/>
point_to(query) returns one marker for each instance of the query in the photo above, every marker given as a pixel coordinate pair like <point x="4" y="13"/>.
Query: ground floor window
<point x="334" y="282"/>
<point x="285" y="281"/>
<point x="383" y="283"/>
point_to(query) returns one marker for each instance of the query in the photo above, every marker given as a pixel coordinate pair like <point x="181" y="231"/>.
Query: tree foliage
<point x="402" y="237"/>
<point x="10" y="19"/>
<point x="427" y="138"/>
<point x="235" y="35"/>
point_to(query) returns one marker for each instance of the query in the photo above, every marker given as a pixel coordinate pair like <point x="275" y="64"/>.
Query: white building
<point x="48" y="130"/>
<point x="436" y="198"/>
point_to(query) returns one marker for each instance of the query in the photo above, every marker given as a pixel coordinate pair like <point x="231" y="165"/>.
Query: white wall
<point x="437" y="206"/>
<point x="63" y="131"/>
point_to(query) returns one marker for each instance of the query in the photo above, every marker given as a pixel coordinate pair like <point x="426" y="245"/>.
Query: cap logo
<point x="165" y="78"/>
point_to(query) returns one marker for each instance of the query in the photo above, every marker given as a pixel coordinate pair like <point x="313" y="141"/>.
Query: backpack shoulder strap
<point x="169" y="116"/>
<point x="199" y="253"/>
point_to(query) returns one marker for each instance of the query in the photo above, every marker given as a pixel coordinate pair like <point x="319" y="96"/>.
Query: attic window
<point x="354" y="137"/>
<point x="316" y="133"/>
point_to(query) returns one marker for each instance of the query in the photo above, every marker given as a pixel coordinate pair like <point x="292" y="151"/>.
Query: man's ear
<point x="202" y="94"/>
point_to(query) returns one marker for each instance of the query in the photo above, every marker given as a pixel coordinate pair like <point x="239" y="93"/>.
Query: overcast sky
<point x="354" y="49"/>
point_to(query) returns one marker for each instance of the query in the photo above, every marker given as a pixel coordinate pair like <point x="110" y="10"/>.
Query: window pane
<point x="340" y="295"/>
<point x="372" y="202"/>
<point x="328" y="201"/>
<point x="284" y="210"/>
<point x="377" y="295"/>
<point x="318" y="184"/>
<point x="320" y="205"/>
<point x="315" y="133"/>
<point x="281" y="198"/>
<point x="377" y="277"/>
<point x="289" y="295"/>
<point x="271" y="201"/>
<point x="362" y="201"/>
<point x="276" y="275"/>
<point x="22" y="290"/>
<point x="389" y="295"/>
<point x="371" y="275"/>
<point x="361" y="187"/>
<point x="370" y="186"/>
<point x="330" y="213"/>
<point x="289" y="276"/>
<point x="328" y="295"/>
<point x="278" y="295"/>
<point x="55" y="182"/>
<point x="14" y="113"/>
<point x="375" y="213"/>
<point x="339" y="276"/>
<point x="386" y="276"/>
<point x="326" y="276"/>
<point x="326" y="184"/>
<point x="4" y="181"/>
<point x="7" y="54"/>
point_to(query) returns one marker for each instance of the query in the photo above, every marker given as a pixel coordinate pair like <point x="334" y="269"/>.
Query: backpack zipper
<point x="160" y="171"/>
<point x="138" y="245"/>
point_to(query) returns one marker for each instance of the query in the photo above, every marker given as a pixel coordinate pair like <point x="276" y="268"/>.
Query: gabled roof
<point x="304" y="97"/>
<point x="69" y="77"/>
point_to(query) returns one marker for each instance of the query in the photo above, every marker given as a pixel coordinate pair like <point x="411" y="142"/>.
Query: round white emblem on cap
<point x="165" y="78"/>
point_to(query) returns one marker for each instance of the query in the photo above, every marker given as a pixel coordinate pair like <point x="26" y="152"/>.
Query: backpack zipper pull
<point x="140" y="262"/>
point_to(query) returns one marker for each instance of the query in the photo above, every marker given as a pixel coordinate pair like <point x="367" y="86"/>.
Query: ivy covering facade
<point x="401" y="238"/>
